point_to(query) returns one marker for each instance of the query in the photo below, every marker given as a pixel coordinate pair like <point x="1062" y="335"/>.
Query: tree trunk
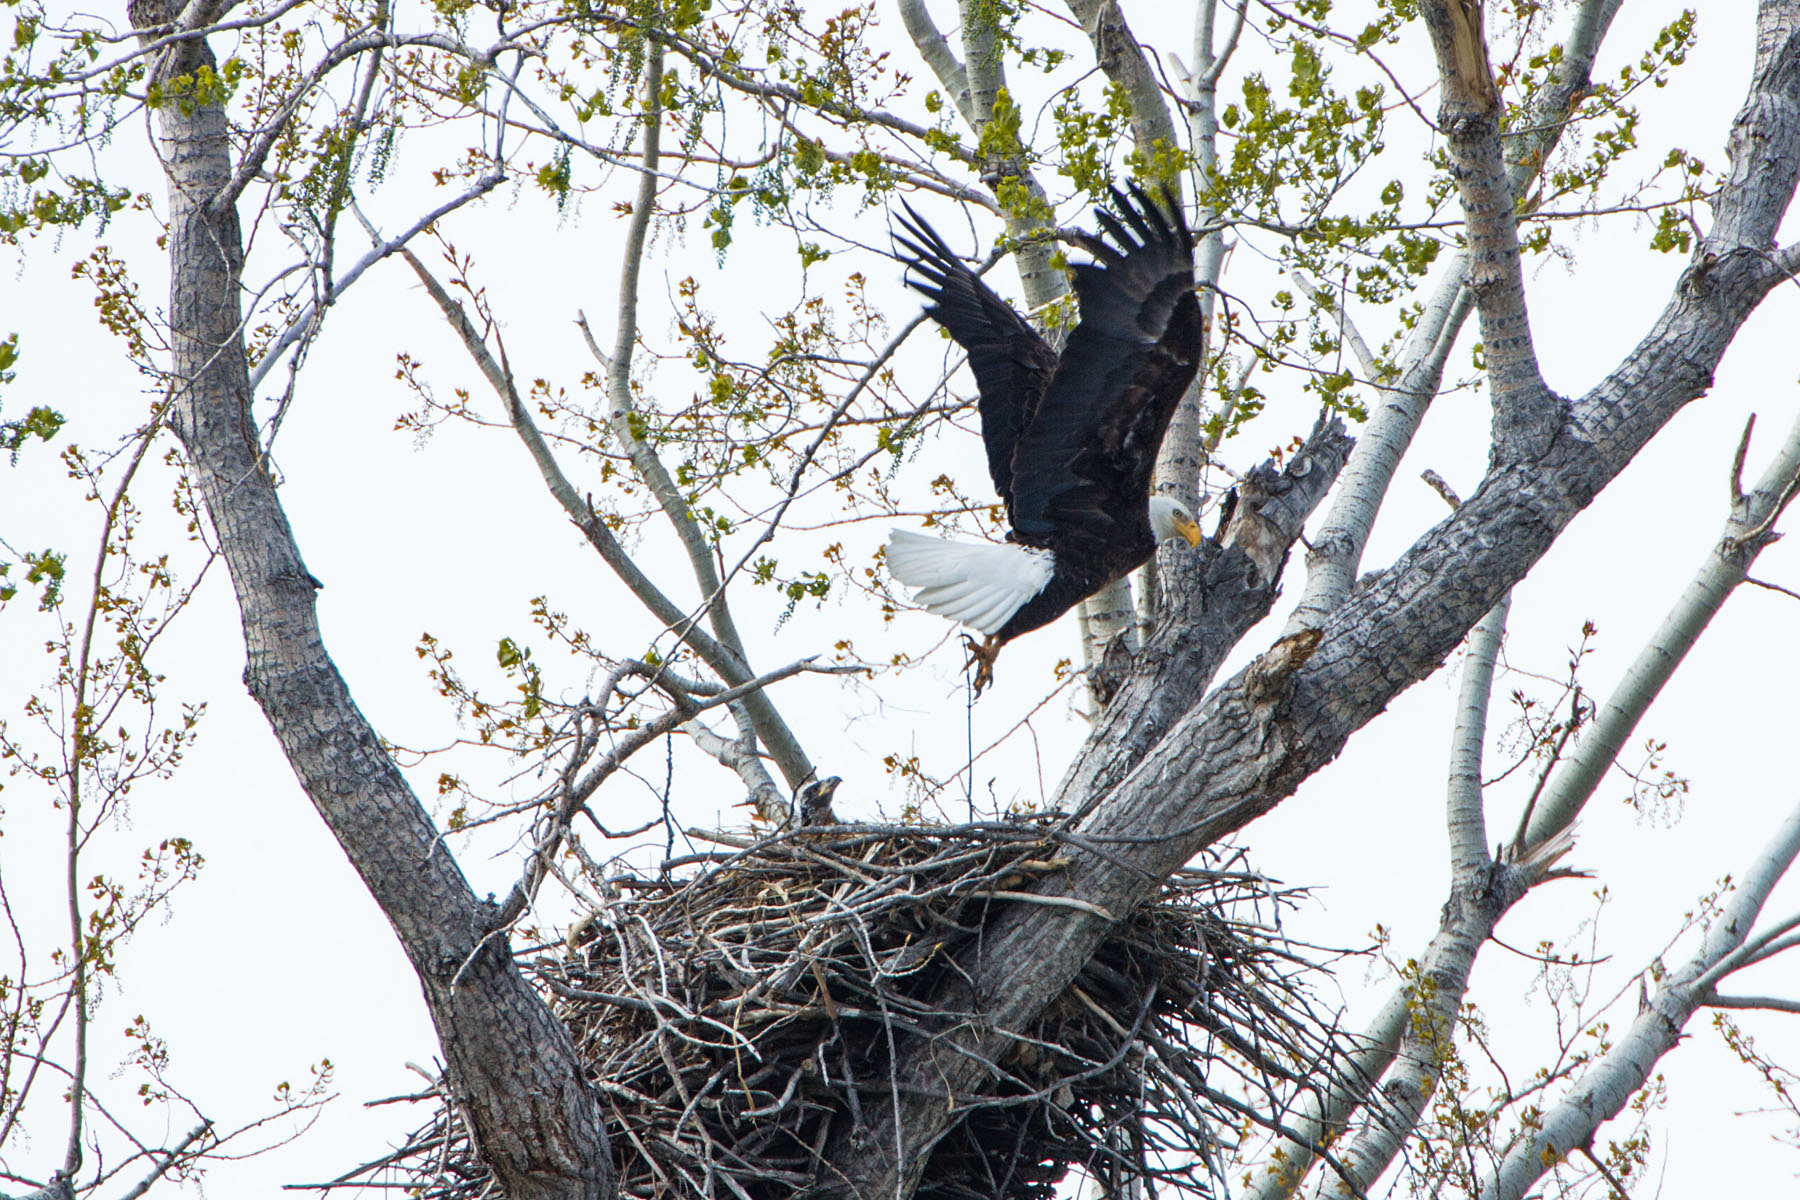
<point x="513" y="1071"/>
<point x="1234" y="754"/>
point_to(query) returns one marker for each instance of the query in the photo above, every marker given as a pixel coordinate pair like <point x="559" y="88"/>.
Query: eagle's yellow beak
<point x="1188" y="528"/>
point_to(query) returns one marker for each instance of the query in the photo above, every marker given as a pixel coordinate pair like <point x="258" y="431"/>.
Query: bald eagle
<point x="812" y="803"/>
<point x="1071" y="438"/>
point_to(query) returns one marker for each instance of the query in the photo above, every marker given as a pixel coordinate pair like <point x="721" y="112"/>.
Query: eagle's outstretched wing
<point x="1083" y="462"/>
<point x="1011" y="362"/>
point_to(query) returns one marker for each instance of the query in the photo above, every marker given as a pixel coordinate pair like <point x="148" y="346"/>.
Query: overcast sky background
<point x="276" y="958"/>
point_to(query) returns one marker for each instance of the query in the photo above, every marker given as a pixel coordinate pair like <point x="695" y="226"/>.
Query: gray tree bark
<point x="1485" y="888"/>
<point x="512" y="1067"/>
<point x="1233" y="754"/>
<point x="1172" y="768"/>
<point x="1336" y="547"/>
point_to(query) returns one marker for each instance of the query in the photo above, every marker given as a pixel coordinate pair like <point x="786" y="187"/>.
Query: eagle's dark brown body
<point x="1071" y="438"/>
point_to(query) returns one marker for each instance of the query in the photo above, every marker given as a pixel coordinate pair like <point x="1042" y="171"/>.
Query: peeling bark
<point x="1231" y="756"/>
<point x="1215" y="598"/>
<point x="1482" y="890"/>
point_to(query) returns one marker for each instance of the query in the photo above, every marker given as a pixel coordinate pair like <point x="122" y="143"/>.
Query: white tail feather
<point x="980" y="584"/>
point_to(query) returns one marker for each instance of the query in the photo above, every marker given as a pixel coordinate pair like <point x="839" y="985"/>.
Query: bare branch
<point x="574" y="797"/>
<point x="1764" y="1003"/>
<point x="1431" y="1003"/>
<point x="1776" y="940"/>
<point x="1773" y="587"/>
<point x="682" y="624"/>
<point x="1335" y="553"/>
<point x="1483" y="893"/>
<point x="167" y="1159"/>
<point x="1441" y="486"/>
<point x="739" y="754"/>
<point x="306" y="322"/>
<point x="1468" y="824"/>
<point x="1333" y="305"/>
<point x="1725" y="566"/>
<point x="60" y="1187"/>
<point x="1326" y="1113"/>
<point x="782" y="744"/>
<point x="1608" y="1085"/>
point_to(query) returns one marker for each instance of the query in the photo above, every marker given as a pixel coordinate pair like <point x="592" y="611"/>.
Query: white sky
<point x="275" y="958"/>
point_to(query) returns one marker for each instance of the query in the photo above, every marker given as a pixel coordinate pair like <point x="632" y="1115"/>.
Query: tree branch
<point x="1526" y="415"/>
<point x="166" y="1160"/>
<point x="1324" y="1119"/>
<point x="579" y="792"/>
<point x="535" y="1115"/>
<point x="682" y="624"/>
<point x="1118" y="54"/>
<point x="59" y="1188"/>
<point x="938" y="55"/>
<point x="1240" y="751"/>
<point x="1482" y="895"/>
<point x="74" y="836"/>
<point x="1726" y="565"/>
<point x="307" y="320"/>
<point x="739" y="754"/>
<point x="1217" y="595"/>
<point x="173" y="33"/>
<point x="1608" y="1085"/>
<point x="1765" y="1003"/>
<point x="1333" y="305"/>
<point x="622" y="417"/>
<point x="1424" y="1009"/>
<point x="277" y="124"/>
<point x="1336" y="551"/>
<point x="1467" y="822"/>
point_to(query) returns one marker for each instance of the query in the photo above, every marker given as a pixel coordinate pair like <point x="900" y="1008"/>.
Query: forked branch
<point x="1402" y="1057"/>
<point x="624" y="422"/>
<point x="1336" y="555"/>
<point x="683" y="624"/>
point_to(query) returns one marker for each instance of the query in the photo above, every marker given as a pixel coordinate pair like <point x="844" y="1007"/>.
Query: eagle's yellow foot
<point x="981" y="656"/>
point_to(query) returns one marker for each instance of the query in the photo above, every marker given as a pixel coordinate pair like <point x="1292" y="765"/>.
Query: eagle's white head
<point x="1170" y="519"/>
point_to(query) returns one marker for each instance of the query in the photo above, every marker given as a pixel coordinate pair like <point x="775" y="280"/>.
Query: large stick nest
<point x="736" y="1021"/>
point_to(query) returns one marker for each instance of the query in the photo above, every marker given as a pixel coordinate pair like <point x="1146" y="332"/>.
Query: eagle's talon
<point x="981" y="657"/>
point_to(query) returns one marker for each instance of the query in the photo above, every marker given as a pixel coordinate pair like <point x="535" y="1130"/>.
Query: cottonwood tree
<point x="1398" y="166"/>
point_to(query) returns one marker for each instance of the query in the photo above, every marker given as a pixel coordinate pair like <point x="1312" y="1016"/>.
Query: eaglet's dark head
<point x="813" y="801"/>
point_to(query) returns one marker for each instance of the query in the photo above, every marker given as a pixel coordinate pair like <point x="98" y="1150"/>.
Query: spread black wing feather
<point x="1012" y="363"/>
<point x="1082" y="468"/>
<point x="1072" y="439"/>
